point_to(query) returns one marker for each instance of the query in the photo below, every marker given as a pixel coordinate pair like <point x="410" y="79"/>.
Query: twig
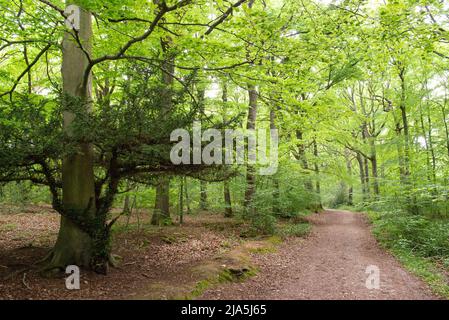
<point x="24" y="281"/>
<point x="13" y="274"/>
<point x="36" y="59"/>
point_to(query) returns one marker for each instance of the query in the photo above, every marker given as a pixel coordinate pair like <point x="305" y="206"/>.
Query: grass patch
<point x="293" y="230"/>
<point x="262" y="250"/>
<point x="426" y="270"/>
<point x="274" y="240"/>
<point x="9" y="227"/>
<point x="225" y="276"/>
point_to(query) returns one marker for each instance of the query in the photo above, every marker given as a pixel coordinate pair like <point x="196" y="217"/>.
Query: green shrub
<point x="425" y="237"/>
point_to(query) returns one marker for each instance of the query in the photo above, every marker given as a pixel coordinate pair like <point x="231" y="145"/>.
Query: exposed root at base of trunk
<point x="49" y="268"/>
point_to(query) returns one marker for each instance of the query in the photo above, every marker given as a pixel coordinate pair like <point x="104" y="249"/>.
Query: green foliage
<point x="424" y="237"/>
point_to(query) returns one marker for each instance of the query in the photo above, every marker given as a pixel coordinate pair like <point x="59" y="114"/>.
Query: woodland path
<point x="329" y="264"/>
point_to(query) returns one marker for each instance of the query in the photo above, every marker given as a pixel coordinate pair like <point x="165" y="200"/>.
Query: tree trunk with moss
<point x="161" y="214"/>
<point x="73" y="245"/>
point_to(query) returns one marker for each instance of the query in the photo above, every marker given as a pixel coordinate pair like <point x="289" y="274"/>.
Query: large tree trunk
<point x="161" y="214"/>
<point x="74" y="246"/>
<point x="250" y="170"/>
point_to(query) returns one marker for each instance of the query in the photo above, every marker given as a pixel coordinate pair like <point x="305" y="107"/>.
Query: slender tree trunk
<point x="426" y="141"/>
<point x="74" y="246"/>
<point x="367" y="177"/>
<point x="405" y="124"/>
<point x="161" y="213"/>
<point x="362" y="175"/>
<point x="366" y="137"/>
<point x="431" y="147"/>
<point x="126" y="205"/>
<point x="302" y="157"/>
<point x="227" y="198"/>
<point x="181" y="201"/>
<point x="276" y="188"/>
<point x="351" y="187"/>
<point x="203" y="195"/>
<point x="317" y="175"/>
<point x="446" y="125"/>
<point x="226" y="188"/>
<point x="400" y="150"/>
<point x="203" y="184"/>
<point x="250" y="169"/>
<point x="186" y="191"/>
<point x="374" y="171"/>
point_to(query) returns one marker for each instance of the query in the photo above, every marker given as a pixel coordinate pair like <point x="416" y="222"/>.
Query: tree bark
<point x="227" y="198"/>
<point x="203" y="195"/>
<point x="181" y="201"/>
<point x="161" y="214"/>
<point x="351" y="186"/>
<point x="276" y="188"/>
<point x="405" y="125"/>
<point x="302" y="157"/>
<point x="203" y="184"/>
<point x="316" y="168"/>
<point x="362" y="174"/>
<point x="186" y="191"/>
<point x="74" y="246"/>
<point x="226" y="189"/>
<point x="250" y="169"/>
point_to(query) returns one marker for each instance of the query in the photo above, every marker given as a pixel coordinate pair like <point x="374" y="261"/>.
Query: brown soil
<point x="330" y="264"/>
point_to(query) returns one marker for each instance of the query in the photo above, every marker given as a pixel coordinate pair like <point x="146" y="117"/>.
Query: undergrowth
<point x="420" y="243"/>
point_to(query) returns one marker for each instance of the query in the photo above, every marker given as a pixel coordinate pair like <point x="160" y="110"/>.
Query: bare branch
<point x="28" y="69"/>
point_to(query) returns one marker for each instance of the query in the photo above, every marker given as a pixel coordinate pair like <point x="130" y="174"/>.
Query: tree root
<point x="15" y="273"/>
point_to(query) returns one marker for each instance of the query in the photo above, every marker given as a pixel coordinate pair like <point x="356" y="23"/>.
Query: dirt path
<point x="330" y="264"/>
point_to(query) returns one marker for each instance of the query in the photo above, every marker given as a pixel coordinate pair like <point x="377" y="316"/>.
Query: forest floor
<point x="330" y="264"/>
<point x="207" y="258"/>
<point x="171" y="262"/>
